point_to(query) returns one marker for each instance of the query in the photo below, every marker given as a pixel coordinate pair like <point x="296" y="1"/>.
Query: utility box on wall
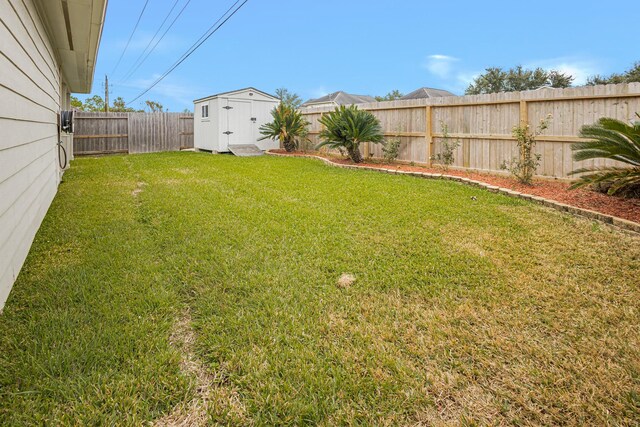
<point x="232" y="118"/>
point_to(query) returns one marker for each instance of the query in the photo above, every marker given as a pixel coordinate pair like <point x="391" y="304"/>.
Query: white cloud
<point x="579" y="68"/>
<point x="440" y="65"/>
<point x="465" y="78"/>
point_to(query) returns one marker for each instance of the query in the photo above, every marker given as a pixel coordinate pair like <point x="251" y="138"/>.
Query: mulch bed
<point x="555" y="190"/>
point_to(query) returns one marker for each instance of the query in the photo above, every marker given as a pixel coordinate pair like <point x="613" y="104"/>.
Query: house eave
<point x="75" y="29"/>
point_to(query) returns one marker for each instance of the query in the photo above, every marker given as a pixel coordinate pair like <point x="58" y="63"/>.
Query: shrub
<point x="446" y="157"/>
<point x="525" y="165"/>
<point x="391" y="150"/>
<point x="347" y="127"/>
<point x="288" y="126"/>
<point x="615" y="140"/>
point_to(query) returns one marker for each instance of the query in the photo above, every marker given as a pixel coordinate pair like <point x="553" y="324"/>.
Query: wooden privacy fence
<point x="483" y="124"/>
<point x="109" y="133"/>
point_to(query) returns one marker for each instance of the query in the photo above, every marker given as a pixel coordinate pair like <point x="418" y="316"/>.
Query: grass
<point x="494" y="311"/>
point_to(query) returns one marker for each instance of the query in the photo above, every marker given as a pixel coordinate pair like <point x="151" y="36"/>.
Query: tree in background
<point x="560" y="80"/>
<point x="288" y="98"/>
<point x="120" y="106"/>
<point x="391" y="96"/>
<point x="629" y="76"/>
<point x="516" y="79"/>
<point x="76" y="104"/>
<point x="154" y="106"/>
<point x="96" y="103"/>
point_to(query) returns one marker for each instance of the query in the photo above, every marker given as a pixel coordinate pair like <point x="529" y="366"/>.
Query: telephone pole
<point x="106" y="93"/>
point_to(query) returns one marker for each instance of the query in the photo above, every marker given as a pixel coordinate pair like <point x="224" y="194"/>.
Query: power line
<point x="211" y="31"/>
<point x="130" y="37"/>
<point x="159" y="40"/>
<point x="152" y="38"/>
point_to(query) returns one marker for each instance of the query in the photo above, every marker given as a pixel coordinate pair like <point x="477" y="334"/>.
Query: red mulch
<point x="555" y="190"/>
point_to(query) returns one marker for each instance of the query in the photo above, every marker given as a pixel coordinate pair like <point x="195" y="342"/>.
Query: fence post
<point x="524" y="120"/>
<point x="524" y="113"/>
<point x="321" y="127"/>
<point x="428" y="133"/>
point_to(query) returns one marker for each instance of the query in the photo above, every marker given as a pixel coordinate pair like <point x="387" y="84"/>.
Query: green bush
<point x="288" y="126"/>
<point x="615" y="140"/>
<point x="446" y="157"/>
<point x="391" y="150"/>
<point x="347" y="128"/>
<point x="525" y="165"/>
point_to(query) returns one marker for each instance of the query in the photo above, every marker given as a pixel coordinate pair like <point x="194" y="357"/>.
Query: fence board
<point x="483" y="124"/>
<point x="93" y="134"/>
<point x="106" y="133"/>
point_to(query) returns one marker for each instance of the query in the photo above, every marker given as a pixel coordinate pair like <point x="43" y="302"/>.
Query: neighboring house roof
<point x="75" y="29"/>
<point x="340" y="98"/>
<point x="427" y="92"/>
<point x="232" y="92"/>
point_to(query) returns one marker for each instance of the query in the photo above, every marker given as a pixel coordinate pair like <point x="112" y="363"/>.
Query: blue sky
<point x="315" y="47"/>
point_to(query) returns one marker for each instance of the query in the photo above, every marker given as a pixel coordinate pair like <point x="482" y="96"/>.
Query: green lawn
<point x="172" y="283"/>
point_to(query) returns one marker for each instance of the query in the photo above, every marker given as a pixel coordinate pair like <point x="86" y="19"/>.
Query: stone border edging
<point x="622" y="223"/>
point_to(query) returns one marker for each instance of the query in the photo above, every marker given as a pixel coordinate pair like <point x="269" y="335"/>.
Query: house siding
<point x="32" y="93"/>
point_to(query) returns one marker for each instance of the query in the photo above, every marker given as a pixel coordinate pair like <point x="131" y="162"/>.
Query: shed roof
<point x="231" y="92"/>
<point x="340" y="98"/>
<point x="427" y="92"/>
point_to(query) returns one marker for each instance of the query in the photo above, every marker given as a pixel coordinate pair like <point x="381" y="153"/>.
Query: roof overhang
<point x="311" y="104"/>
<point x="74" y="28"/>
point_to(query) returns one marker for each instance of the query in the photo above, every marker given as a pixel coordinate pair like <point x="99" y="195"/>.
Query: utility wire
<point x="211" y="31"/>
<point x="152" y="39"/>
<point x="157" y="42"/>
<point x="131" y="36"/>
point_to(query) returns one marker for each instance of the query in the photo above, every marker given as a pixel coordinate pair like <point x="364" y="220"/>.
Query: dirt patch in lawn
<point x="139" y="187"/>
<point x="554" y="190"/>
<point x="208" y="387"/>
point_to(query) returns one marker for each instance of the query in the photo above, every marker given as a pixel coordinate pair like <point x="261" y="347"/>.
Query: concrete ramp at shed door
<point x="246" y="150"/>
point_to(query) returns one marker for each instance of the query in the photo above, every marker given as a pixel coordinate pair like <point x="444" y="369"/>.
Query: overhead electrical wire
<point x="159" y="40"/>
<point x="207" y="34"/>
<point x="131" y="36"/>
<point x="129" y="72"/>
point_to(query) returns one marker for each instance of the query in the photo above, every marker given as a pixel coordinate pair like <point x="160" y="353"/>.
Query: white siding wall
<point x="30" y="94"/>
<point x="262" y="112"/>
<point x="205" y="128"/>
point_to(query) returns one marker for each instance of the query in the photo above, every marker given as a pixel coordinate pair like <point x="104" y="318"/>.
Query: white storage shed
<point x="232" y="119"/>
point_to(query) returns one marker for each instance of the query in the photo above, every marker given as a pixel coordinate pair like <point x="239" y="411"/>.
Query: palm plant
<point x="288" y="126"/>
<point x="346" y="127"/>
<point x="615" y="140"/>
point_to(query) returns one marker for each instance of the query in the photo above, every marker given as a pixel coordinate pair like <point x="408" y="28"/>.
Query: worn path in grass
<point x="177" y="285"/>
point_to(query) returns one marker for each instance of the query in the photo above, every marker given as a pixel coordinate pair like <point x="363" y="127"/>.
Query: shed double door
<point x="239" y="126"/>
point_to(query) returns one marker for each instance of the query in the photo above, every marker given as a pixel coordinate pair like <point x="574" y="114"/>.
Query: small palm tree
<point x="615" y="140"/>
<point x="347" y="127"/>
<point x="288" y="126"/>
